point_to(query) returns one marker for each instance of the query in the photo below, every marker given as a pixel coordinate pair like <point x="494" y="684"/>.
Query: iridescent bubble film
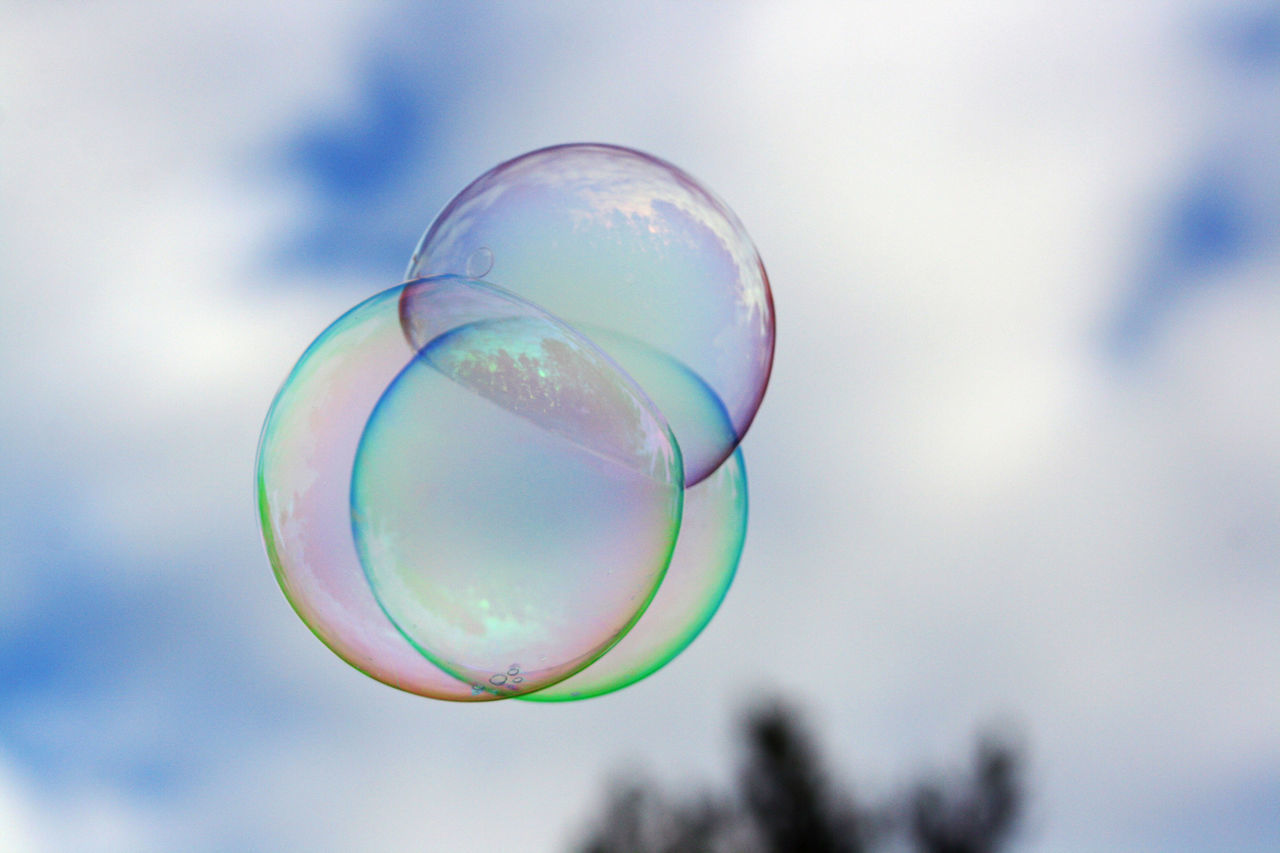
<point x="618" y="242"/>
<point x="473" y="491"/>
<point x="702" y="568"/>
<point x="304" y="470"/>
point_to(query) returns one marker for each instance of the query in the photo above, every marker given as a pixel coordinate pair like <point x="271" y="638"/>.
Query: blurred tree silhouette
<point x="974" y="817"/>
<point x="784" y="803"/>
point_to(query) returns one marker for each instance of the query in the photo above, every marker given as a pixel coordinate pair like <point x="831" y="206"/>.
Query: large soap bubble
<point x="638" y="256"/>
<point x="472" y="491"/>
<point x="516" y="498"/>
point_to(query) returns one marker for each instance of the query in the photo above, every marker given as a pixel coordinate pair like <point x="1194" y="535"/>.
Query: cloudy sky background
<point x="1019" y="459"/>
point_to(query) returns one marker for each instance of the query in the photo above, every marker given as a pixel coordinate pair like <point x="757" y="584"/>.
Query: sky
<point x="1017" y="461"/>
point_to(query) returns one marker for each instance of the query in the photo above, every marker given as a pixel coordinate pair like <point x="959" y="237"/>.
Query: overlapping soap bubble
<point x="517" y="474"/>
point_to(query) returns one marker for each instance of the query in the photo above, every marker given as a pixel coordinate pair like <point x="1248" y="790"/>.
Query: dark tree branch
<point x="785" y="804"/>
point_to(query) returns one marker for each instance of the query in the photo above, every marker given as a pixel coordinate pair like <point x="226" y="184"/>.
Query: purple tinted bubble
<point x="637" y="255"/>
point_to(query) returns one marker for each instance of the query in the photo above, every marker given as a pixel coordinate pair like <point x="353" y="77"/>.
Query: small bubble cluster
<point x="517" y="473"/>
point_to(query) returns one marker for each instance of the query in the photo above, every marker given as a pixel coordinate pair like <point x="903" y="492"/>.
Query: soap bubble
<point x="637" y="256"/>
<point x="473" y="491"/>
<point x="515" y="496"/>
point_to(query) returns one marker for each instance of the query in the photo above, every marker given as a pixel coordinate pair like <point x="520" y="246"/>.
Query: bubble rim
<point x="692" y="633"/>
<point x="266" y="528"/>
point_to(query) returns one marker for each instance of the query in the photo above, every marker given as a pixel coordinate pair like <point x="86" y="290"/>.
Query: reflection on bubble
<point x="613" y="240"/>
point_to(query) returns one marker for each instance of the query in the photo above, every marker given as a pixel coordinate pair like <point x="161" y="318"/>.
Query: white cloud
<point x="17" y="827"/>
